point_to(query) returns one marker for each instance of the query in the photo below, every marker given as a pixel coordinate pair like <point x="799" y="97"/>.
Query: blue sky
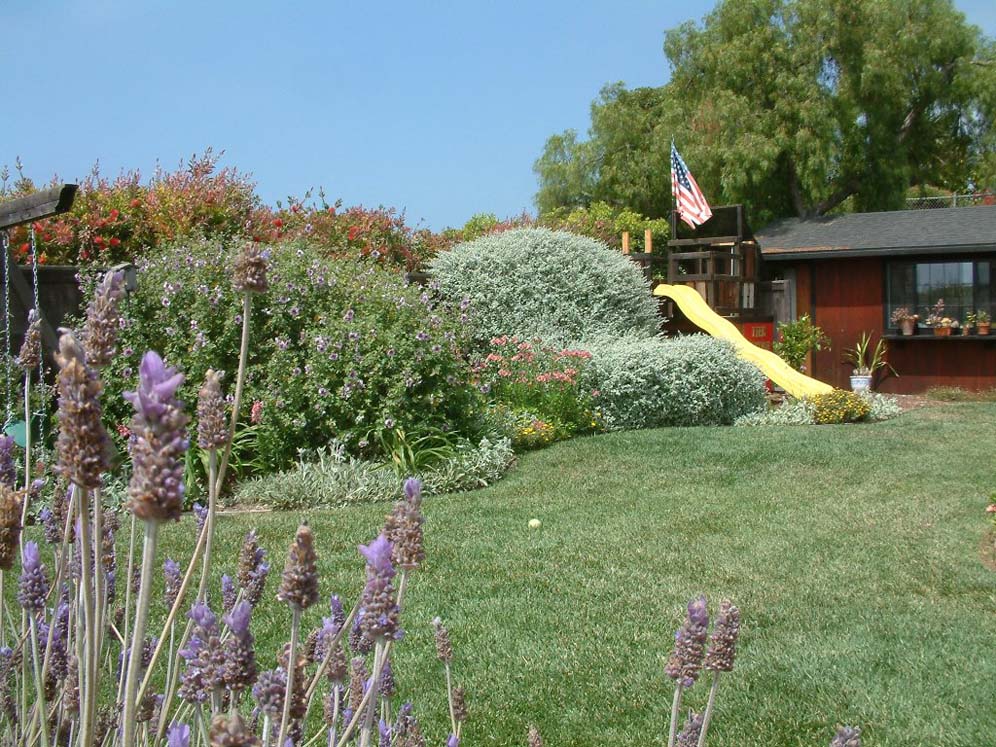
<point x="439" y="108"/>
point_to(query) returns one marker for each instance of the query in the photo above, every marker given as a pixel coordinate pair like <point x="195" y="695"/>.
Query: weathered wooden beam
<point x="36" y="206"/>
<point x="703" y="241"/>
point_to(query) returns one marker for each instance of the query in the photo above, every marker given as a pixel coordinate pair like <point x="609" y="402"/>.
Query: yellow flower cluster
<point x="839" y="406"/>
<point x="534" y="434"/>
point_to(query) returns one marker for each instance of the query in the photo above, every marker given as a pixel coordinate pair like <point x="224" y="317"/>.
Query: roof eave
<point x="790" y="255"/>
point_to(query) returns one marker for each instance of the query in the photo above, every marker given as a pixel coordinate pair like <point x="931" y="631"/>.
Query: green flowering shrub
<point x="553" y="285"/>
<point x="340" y="348"/>
<point x="691" y="380"/>
<point x="607" y="222"/>
<point x="839" y="406"/>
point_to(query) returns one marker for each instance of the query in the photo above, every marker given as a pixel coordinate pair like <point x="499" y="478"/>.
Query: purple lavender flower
<point x="201" y="513"/>
<point x="33" y="587"/>
<point x="204" y="656"/>
<point x="689" y="735"/>
<point x="379" y="620"/>
<point x="723" y="642"/>
<point x="269" y="692"/>
<point x="847" y="736"/>
<point x="452" y="741"/>
<point x="178" y="735"/>
<point x="171" y="587"/>
<point x="385" y="733"/>
<point x="689" y="645"/>
<point x="156" y="487"/>
<point x="239" y="671"/>
<point x="228" y="593"/>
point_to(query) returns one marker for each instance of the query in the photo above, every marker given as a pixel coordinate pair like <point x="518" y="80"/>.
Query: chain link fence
<point x="946" y="201"/>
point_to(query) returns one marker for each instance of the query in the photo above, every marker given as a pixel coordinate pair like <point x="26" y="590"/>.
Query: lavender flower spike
<point x="231" y="731"/>
<point x="212" y="428"/>
<point x="173" y="579"/>
<point x="8" y="470"/>
<point x="83" y="445"/>
<point x="33" y="588"/>
<point x="249" y="271"/>
<point x="689" y="735"/>
<point x="379" y="610"/>
<point x="239" y="670"/>
<point x="103" y="320"/>
<point x="723" y="642"/>
<point x="30" y="355"/>
<point x="404" y="527"/>
<point x="159" y="428"/>
<point x="299" y="585"/>
<point x="847" y="736"/>
<point x="689" y="645"/>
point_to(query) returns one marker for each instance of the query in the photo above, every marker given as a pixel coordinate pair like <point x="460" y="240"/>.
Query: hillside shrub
<point x="606" y="223"/>
<point x="548" y="284"/>
<point x="692" y="380"/>
<point x="340" y="348"/>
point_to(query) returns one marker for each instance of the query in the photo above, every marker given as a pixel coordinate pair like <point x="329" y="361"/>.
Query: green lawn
<point x="852" y="551"/>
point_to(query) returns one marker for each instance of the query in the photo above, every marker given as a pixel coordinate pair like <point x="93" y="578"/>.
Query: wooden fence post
<point x="625" y="239"/>
<point x="648" y="241"/>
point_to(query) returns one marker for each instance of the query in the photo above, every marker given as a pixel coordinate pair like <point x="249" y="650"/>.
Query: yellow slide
<point x="698" y="312"/>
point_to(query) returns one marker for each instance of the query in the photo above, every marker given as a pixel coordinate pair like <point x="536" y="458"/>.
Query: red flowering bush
<point x="536" y="389"/>
<point x="119" y="220"/>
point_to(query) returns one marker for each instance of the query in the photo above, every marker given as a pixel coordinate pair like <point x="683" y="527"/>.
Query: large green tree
<point x="795" y="107"/>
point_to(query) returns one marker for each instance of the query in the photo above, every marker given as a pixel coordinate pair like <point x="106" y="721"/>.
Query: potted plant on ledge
<point x="942" y="325"/>
<point x="905" y="320"/>
<point x="982" y="322"/>
<point x="866" y="361"/>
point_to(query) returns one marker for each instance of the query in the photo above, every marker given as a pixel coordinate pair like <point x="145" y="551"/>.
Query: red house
<point x="850" y="272"/>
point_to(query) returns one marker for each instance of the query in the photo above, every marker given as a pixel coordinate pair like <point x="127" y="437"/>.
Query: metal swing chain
<point x="8" y="362"/>
<point x="41" y="346"/>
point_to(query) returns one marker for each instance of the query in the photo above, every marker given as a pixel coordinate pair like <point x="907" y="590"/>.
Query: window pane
<point x="964" y="286"/>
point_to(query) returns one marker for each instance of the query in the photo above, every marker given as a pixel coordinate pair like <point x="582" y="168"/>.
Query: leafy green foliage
<point x="650" y="383"/>
<point x="339" y="348"/>
<point x="796" y="340"/>
<point x="548" y="284"/>
<point x="794" y="107"/>
<point x="606" y="223"/>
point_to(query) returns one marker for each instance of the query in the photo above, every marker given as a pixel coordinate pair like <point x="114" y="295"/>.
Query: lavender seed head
<point x="231" y="731"/>
<point x="249" y="272"/>
<point x="173" y="580"/>
<point x="689" y="734"/>
<point x="8" y="469"/>
<point x="212" y="426"/>
<point x="10" y="525"/>
<point x="533" y="738"/>
<point x="379" y="611"/>
<point x="723" y="643"/>
<point x="299" y="584"/>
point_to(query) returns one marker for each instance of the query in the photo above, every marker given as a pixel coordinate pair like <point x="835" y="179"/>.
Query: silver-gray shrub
<point x="791" y="412"/>
<point x="656" y="382"/>
<point x="554" y="285"/>
<point x="883" y="407"/>
<point x="332" y="478"/>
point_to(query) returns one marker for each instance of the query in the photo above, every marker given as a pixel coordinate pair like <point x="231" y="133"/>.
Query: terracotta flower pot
<point x="942" y="331"/>
<point x="983" y="329"/>
<point x="907" y="326"/>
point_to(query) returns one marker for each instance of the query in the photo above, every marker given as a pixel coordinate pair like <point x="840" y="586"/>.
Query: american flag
<point x="688" y="198"/>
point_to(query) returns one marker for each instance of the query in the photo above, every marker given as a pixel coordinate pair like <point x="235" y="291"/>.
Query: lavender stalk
<point x="155" y="491"/>
<point x="720" y="656"/>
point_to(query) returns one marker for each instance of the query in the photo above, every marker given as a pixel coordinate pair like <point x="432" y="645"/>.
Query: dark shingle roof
<point x="937" y="231"/>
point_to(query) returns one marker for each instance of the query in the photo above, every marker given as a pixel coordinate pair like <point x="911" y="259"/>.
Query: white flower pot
<point x="861" y="383"/>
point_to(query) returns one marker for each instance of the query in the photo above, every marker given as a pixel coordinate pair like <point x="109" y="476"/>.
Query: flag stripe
<point x="688" y="198"/>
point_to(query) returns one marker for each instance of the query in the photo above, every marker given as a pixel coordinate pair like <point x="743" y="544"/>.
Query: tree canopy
<point x="794" y="107"/>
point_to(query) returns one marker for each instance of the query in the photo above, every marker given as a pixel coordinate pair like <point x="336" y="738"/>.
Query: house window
<point x="965" y="285"/>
